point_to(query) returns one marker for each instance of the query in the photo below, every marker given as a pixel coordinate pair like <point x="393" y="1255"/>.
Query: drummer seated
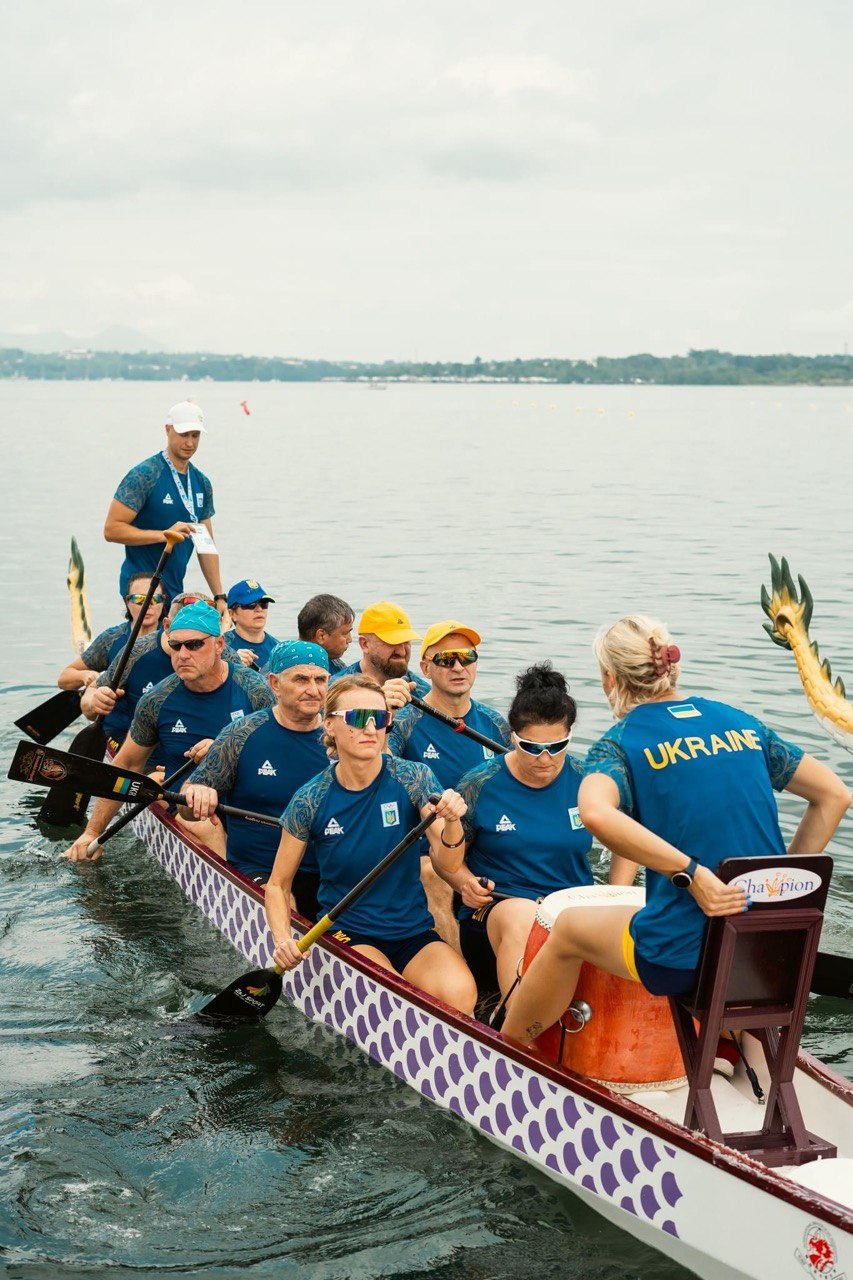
<point x="523" y="837"/>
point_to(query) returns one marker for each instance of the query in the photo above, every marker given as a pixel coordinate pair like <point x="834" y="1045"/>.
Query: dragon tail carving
<point x="790" y="613"/>
<point x="81" y="628"/>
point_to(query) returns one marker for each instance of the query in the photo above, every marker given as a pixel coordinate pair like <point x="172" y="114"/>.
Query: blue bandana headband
<point x="197" y="617"/>
<point x="297" y="653"/>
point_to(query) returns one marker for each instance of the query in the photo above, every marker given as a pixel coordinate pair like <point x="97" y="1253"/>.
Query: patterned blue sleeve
<point x="784" y="758"/>
<point x="208" y="508"/>
<point x="135" y="489"/>
<point x="401" y="730"/>
<point x="96" y="656"/>
<point x="469" y="787"/>
<point x="500" y="724"/>
<point x="299" y="815"/>
<point x="145" y="726"/>
<point x="218" y="769"/>
<point x="258" y="689"/>
<point x="606" y="756"/>
<point x="143" y="646"/>
<point x="418" y="779"/>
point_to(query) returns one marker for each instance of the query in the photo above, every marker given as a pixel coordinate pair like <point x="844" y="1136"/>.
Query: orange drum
<point x="628" y="1041"/>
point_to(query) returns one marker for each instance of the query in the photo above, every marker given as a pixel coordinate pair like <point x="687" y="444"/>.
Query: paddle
<point x="459" y="726"/>
<point x="46" y="766"/>
<point x="49" y="718"/>
<point x="120" y="823"/>
<point x="256" y="993"/>
<point x="64" y="807"/>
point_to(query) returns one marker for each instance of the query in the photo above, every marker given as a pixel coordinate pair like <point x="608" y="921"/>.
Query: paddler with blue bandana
<point x="166" y="492"/>
<point x="184" y="713"/>
<point x="677" y="785"/>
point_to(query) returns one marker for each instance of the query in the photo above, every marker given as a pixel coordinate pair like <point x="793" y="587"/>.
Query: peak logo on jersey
<point x="150" y="685"/>
<point x="179" y="727"/>
<point x="167" y="501"/>
<point x="390" y="814"/>
<point x="431" y="753"/>
<point x="684" y="711"/>
<point x="505" y="824"/>
<point x="488" y="754"/>
<point x="237" y="715"/>
<point x="333" y="828"/>
<point x="266" y="770"/>
<point x="575" y="820"/>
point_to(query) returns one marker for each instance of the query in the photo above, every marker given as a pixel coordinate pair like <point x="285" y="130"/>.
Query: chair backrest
<point x="788" y="894"/>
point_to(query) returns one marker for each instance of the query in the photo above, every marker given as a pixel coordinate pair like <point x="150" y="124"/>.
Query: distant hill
<point x="115" y="338"/>
<point x="697" y="368"/>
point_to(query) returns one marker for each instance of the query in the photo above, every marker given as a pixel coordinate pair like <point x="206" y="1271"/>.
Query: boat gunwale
<point x="689" y="1141"/>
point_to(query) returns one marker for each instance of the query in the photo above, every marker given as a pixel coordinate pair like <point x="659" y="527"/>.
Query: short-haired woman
<point x="354" y="813"/>
<point x="676" y="785"/>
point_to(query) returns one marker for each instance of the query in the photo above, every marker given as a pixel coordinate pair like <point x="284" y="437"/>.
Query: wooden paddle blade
<point x="246" y="1000"/>
<point x="66" y="806"/>
<point x="833" y="976"/>
<point x="49" y="718"/>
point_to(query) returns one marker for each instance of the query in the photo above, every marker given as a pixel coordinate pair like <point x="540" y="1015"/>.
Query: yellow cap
<point x="388" y="621"/>
<point x="439" y="630"/>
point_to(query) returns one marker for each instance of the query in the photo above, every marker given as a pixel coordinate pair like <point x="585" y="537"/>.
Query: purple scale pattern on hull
<point x="578" y="1141"/>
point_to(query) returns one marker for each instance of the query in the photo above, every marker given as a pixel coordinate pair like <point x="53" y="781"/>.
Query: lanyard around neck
<point x="186" y="498"/>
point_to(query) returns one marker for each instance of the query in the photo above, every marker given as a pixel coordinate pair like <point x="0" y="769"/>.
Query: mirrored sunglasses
<point x="449" y="657"/>
<point x="192" y="645"/>
<point x="192" y="597"/>
<point x="139" y="597"/>
<point x="360" y="718"/>
<point x="539" y="748"/>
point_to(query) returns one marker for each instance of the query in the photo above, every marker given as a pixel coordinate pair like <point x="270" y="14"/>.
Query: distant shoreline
<point x="697" y="368"/>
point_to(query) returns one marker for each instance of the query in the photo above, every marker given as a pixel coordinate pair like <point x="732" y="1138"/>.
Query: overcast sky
<point x="383" y="179"/>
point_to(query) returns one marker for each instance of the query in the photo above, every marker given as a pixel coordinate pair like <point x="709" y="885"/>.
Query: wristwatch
<point x="220" y="595"/>
<point x="683" y="879"/>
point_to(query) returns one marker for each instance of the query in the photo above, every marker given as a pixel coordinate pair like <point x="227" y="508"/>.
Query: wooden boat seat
<point x="754" y="975"/>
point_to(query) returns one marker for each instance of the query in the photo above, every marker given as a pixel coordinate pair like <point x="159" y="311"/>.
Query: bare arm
<point x="828" y="801"/>
<point x="209" y="565"/>
<point x="76" y="676"/>
<point x="130" y="756"/>
<point x="277" y="900"/>
<point x="118" y="528"/>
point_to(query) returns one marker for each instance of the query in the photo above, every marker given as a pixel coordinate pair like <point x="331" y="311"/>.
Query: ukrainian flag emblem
<point x="684" y="711"/>
<point x="122" y="786"/>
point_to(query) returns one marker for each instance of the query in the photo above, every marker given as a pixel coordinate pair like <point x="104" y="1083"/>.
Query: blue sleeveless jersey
<point x="353" y="830"/>
<point x="174" y="717"/>
<point x="700" y="775"/>
<point x="422" y="687"/>
<point x="262" y="649"/>
<point x="149" y="490"/>
<point x="416" y="735"/>
<point x="258" y="764"/>
<point x="529" y="840"/>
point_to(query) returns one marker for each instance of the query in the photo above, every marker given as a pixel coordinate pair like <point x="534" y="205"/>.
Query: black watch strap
<point x="683" y="878"/>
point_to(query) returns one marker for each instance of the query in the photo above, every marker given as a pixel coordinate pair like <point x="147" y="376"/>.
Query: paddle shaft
<point x="122" y="822"/>
<point x="406" y="843"/>
<point x="459" y="726"/>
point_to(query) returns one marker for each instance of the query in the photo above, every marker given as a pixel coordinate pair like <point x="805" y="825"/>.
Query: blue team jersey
<point x="353" y="830"/>
<point x="422" y="687"/>
<point x="174" y="717"/>
<point x="147" y="666"/>
<point x="150" y="490"/>
<point x="100" y="653"/>
<point x="529" y="840"/>
<point x="262" y="649"/>
<point x="700" y="775"/>
<point x="258" y="764"/>
<point x="416" y="735"/>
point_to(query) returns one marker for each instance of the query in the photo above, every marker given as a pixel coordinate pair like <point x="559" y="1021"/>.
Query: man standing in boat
<point x="184" y="713"/>
<point x="166" y="492"/>
<point x="258" y="763"/>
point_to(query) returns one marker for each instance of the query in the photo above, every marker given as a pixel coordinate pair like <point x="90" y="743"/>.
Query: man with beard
<point x="385" y="637"/>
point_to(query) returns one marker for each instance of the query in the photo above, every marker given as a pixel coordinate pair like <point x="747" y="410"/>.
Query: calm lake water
<point x="536" y="513"/>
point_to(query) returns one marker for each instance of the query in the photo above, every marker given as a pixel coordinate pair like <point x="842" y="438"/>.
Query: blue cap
<point x="197" y="617"/>
<point x="297" y="653"/>
<point x="248" y="591"/>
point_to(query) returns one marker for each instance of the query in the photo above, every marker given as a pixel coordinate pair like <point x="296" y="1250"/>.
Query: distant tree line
<point x="704" y="368"/>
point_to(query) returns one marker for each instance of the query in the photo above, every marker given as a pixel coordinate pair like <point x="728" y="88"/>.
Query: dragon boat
<point x="709" y="1205"/>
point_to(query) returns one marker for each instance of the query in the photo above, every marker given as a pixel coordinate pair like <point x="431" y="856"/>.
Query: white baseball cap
<point x="184" y="417"/>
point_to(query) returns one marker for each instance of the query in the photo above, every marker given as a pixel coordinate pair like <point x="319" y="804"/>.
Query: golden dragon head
<point x="786" y="610"/>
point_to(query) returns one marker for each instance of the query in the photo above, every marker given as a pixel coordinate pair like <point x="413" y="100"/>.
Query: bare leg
<point x="440" y="902"/>
<point x="374" y="954"/>
<point x="207" y="833"/>
<point x="509" y="925"/>
<point x="546" y="990"/>
<point x="440" y="971"/>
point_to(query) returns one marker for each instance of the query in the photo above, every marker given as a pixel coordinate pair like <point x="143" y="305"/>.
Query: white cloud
<point x="174" y="290"/>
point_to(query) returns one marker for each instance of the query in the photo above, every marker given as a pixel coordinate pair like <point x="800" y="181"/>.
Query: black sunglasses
<point x="192" y="645"/>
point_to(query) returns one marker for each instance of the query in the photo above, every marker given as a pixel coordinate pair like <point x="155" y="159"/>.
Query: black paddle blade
<point x="48" y="719"/>
<point x="246" y="1000"/>
<point x="833" y="976"/>
<point x="66" y="806"/>
<point x="47" y="766"/>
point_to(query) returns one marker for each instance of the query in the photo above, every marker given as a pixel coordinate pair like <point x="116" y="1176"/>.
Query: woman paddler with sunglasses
<point x="523" y="834"/>
<point x="676" y="785"/>
<point x="354" y="813"/>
